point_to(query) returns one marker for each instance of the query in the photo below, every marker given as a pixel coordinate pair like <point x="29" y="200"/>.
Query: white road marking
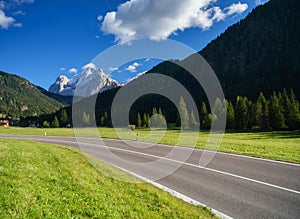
<point x="183" y="163"/>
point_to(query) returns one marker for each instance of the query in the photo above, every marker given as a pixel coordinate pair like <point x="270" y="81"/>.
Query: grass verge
<point x="283" y="146"/>
<point x="46" y="181"/>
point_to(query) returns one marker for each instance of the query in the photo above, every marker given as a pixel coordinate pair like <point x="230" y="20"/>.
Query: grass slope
<point x="46" y="181"/>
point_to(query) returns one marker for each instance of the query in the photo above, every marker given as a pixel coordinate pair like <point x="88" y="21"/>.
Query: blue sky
<point x="42" y="39"/>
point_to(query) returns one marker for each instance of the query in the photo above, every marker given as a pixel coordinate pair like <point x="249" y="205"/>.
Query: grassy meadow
<point x="47" y="181"/>
<point x="283" y="146"/>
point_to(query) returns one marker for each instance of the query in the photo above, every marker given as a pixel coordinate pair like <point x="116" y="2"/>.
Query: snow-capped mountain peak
<point x="87" y="83"/>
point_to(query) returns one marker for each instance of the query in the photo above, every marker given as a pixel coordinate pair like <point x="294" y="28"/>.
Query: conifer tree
<point x="139" y="120"/>
<point x="293" y="112"/>
<point x="193" y="122"/>
<point x="204" y="117"/>
<point x="161" y="119"/>
<point x="64" y="120"/>
<point x="146" y="120"/>
<point x="276" y="113"/>
<point x="153" y="122"/>
<point x="262" y="112"/>
<point x="183" y="113"/>
<point x="241" y="114"/>
<point x="55" y="122"/>
<point x="230" y="115"/>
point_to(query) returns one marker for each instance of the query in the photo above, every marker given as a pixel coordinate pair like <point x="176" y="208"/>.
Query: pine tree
<point x="146" y="120"/>
<point x="293" y="112"/>
<point x="161" y="119"/>
<point x="154" y="118"/>
<point x="251" y="110"/>
<point x="205" y="118"/>
<point x="55" y="122"/>
<point x="46" y="124"/>
<point x="276" y="113"/>
<point x="102" y="121"/>
<point x="64" y="120"/>
<point x="241" y="114"/>
<point x="262" y="112"/>
<point x="139" y="120"/>
<point x="183" y="114"/>
<point x="85" y="119"/>
<point x="230" y="116"/>
<point x="193" y="122"/>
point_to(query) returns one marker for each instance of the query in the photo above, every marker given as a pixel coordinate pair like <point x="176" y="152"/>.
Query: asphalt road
<point x="238" y="186"/>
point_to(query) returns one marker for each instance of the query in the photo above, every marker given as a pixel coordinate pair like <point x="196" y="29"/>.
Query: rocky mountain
<point x="20" y="98"/>
<point x="91" y="81"/>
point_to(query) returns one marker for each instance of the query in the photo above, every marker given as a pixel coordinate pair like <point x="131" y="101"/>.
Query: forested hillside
<point x="258" y="54"/>
<point x="20" y="98"/>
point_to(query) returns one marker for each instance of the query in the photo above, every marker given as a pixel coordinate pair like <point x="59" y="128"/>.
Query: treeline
<point x="280" y="111"/>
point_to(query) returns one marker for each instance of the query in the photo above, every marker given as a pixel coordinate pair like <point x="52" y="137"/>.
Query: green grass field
<point x="284" y="146"/>
<point x="47" y="181"/>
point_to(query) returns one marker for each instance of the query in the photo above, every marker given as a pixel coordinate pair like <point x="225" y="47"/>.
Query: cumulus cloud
<point x="73" y="70"/>
<point x="136" y="64"/>
<point x="132" y="68"/>
<point x="62" y="69"/>
<point x="158" y="19"/>
<point x="5" y="22"/>
<point x="237" y="8"/>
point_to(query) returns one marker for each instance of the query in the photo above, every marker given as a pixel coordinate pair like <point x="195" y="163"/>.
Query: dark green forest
<point x="20" y="98"/>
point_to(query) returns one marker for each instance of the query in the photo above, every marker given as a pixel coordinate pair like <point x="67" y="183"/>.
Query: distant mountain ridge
<point x="20" y="98"/>
<point x="96" y="80"/>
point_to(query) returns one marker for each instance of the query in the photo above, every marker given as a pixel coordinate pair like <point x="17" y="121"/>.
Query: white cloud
<point x="237" y="8"/>
<point x="90" y="65"/>
<point x="62" y="69"/>
<point x="260" y="2"/>
<point x="97" y="37"/>
<point x="99" y="18"/>
<point x="73" y="70"/>
<point x="5" y="22"/>
<point x="18" y="25"/>
<point x="136" y="64"/>
<point x="158" y="19"/>
<point x="131" y="68"/>
<point x="113" y="69"/>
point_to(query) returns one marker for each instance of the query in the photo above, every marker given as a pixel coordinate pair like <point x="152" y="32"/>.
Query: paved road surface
<point x="238" y="186"/>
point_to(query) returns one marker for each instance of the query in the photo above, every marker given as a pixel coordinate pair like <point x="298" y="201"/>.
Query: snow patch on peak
<point x="89" y="82"/>
<point x="90" y="65"/>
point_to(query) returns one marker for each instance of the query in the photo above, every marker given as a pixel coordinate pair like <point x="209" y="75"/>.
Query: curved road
<point x="238" y="186"/>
